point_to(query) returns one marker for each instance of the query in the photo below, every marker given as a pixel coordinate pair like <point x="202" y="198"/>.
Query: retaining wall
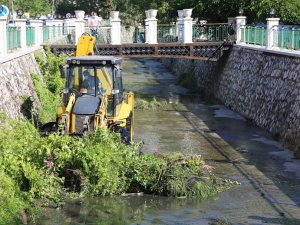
<point x="15" y="77"/>
<point x="262" y="86"/>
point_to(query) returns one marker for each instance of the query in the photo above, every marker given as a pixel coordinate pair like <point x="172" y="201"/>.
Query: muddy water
<point x="270" y="177"/>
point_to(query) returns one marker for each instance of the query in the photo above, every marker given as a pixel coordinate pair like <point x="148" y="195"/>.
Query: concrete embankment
<point x="261" y="86"/>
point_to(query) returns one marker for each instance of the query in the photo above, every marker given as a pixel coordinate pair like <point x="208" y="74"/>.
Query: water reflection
<point x="125" y="210"/>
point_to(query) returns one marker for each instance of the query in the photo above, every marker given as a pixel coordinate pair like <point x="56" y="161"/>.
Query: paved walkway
<point x="18" y="53"/>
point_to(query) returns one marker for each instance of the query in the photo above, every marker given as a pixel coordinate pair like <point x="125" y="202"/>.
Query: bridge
<point x="201" y="50"/>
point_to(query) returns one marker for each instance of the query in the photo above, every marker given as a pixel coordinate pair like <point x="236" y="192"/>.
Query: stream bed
<point x="269" y="175"/>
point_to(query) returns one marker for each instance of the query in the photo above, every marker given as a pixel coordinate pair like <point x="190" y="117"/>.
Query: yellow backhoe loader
<point x="93" y="96"/>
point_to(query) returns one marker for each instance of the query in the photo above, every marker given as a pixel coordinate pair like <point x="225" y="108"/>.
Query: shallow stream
<point x="269" y="175"/>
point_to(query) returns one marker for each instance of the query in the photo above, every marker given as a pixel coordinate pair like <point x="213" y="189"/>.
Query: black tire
<point x="126" y="131"/>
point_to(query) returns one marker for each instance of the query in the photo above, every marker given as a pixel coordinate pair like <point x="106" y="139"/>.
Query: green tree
<point x="33" y="6"/>
<point x="288" y="11"/>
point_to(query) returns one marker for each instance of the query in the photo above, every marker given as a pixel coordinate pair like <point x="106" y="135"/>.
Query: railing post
<point x="38" y="26"/>
<point x="152" y="26"/>
<point x="3" y="41"/>
<point x="79" y="29"/>
<point x="187" y="26"/>
<point x="240" y="22"/>
<point x="22" y="24"/>
<point x="272" y="26"/>
<point x="115" y="23"/>
<point x="180" y="26"/>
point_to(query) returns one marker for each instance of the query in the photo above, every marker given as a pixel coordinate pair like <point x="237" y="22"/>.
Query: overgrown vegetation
<point x="149" y="103"/>
<point x="46" y="169"/>
<point x="49" y="86"/>
<point x="96" y="164"/>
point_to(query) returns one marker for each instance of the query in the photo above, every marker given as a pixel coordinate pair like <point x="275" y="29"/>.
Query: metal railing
<point x="105" y="22"/>
<point x="128" y="34"/>
<point x="287" y="37"/>
<point x="140" y="34"/>
<point x="102" y="33"/>
<point x="68" y="35"/>
<point x="13" y="35"/>
<point x="211" y="32"/>
<point x="166" y="33"/>
<point x="46" y="34"/>
<point x="254" y="35"/>
<point x="58" y="34"/>
<point x="30" y="36"/>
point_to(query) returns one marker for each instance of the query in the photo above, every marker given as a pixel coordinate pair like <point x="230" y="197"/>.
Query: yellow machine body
<point x="93" y="96"/>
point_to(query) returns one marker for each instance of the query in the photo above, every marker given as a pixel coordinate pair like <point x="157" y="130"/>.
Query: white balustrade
<point x="115" y="28"/>
<point x="184" y="29"/>
<point x="151" y="31"/>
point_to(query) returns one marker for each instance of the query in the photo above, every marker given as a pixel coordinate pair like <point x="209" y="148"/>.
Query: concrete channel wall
<point x="262" y="86"/>
<point x="16" y="82"/>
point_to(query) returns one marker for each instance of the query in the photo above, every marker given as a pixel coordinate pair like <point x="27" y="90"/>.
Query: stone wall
<point x="261" y="86"/>
<point x="15" y="76"/>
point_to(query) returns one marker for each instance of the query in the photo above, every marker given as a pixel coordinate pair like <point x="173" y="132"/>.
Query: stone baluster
<point x="3" y="41"/>
<point x="240" y="23"/>
<point x="151" y="32"/>
<point x="272" y="28"/>
<point x="115" y="28"/>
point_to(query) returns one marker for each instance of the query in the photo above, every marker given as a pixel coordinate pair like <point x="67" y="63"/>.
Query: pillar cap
<point x="152" y="20"/>
<point x="116" y="20"/>
<point x="273" y="19"/>
<point x="187" y="19"/>
<point x="241" y="17"/>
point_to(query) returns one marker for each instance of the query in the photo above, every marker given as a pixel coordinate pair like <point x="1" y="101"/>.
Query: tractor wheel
<point x="127" y="131"/>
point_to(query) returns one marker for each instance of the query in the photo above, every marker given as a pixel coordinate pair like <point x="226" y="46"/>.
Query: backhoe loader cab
<point x="93" y="97"/>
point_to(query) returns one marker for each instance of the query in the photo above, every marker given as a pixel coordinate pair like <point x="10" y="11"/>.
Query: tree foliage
<point x="33" y="7"/>
<point x="134" y="10"/>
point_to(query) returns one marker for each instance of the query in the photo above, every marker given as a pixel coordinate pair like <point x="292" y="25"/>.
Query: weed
<point x="149" y="104"/>
<point x="50" y="168"/>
